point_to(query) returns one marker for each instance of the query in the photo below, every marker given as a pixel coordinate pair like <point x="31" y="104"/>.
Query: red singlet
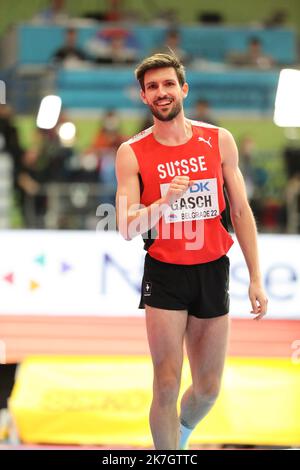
<point x="191" y="230"/>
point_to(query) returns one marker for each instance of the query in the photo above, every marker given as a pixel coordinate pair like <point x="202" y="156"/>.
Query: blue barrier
<point x="36" y="44"/>
<point x="117" y="88"/>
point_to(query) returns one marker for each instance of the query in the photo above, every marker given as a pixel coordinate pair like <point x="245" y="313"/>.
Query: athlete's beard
<point x="172" y="114"/>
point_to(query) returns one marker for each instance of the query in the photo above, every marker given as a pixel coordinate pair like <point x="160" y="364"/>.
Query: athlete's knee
<point x="166" y="387"/>
<point x="208" y="387"/>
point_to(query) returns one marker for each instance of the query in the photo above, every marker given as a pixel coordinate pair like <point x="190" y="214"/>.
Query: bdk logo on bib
<point x="199" y="186"/>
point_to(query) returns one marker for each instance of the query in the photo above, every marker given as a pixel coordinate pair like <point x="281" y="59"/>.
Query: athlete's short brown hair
<point x="158" y="61"/>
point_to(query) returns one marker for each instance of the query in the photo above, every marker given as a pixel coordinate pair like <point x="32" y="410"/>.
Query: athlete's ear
<point x="143" y="97"/>
<point x="185" y="90"/>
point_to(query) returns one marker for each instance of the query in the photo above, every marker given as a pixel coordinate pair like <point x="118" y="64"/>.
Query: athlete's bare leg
<point x="165" y="330"/>
<point x="206" y="344"/>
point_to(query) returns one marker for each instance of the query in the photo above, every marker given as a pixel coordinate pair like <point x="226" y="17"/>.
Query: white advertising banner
<point x="99" y="273"/>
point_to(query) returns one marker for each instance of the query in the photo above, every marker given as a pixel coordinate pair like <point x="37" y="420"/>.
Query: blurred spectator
<point x="167" y="17"/>
<point x="291" y="215"/>
<point x="51" y="153"/>
<point x="276" y="19"/>
<point x="255" y="177"/>
<point x="44" y="162"/>
<point x="100" y="156"/>
<point x="210" y="18"/>
<point x="252" y="57"/>
<point x="114" y="10"/>
<point x="173" y="42"/>
<point x="246" y="149"/>
<point x="54" y="13"/>
<point x="114" y="46"/>
<point x="203" y="112"/>
<point x="9" y="139"/>
<point x="69" y="53"/>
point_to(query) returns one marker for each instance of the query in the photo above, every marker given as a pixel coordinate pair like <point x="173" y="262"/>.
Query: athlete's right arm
<point x="132" y="218"/>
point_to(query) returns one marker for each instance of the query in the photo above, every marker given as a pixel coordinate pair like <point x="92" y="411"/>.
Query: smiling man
<point x="171" y="179"/>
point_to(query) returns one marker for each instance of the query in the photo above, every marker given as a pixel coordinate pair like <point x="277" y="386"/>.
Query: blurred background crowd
<point x="85" y="53"/>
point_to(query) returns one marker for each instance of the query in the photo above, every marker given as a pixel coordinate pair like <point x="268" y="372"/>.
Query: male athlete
<point x="170" y="189"/>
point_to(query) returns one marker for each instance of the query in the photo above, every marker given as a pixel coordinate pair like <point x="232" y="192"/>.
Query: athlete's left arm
<point x="242" y="220"/>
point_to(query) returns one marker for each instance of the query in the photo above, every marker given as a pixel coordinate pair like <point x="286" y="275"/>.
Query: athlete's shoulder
<point x="228" y="147"/>
<point x="140" y="136"/>
<point x="225" y="135"/>
<point x="125" y="158"/>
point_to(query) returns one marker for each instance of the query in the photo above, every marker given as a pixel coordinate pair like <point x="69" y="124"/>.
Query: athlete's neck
<point x="172" y="133"/>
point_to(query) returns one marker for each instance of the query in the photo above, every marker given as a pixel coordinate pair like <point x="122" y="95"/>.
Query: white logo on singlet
<point x="208" y="142"/>
<point x="182" y="167"/>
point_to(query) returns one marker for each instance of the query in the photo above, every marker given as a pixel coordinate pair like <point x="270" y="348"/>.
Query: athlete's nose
<point x="161" y="92"/>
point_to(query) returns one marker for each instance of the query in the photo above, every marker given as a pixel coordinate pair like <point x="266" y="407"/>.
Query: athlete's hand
<point x="258" y="300"/>
<point x="177" y="188"/>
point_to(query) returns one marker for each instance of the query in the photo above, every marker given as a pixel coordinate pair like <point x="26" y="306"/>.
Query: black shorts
<point x="201" y="289"/>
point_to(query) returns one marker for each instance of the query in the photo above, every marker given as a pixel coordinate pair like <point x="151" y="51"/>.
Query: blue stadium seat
<point x="207" y="42"/>
<point x="117" y="88"/>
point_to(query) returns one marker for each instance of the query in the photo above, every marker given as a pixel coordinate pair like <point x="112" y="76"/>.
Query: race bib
<point x="199" y="202"/>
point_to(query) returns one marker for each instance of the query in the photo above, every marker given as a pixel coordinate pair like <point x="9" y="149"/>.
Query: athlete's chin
<point x="165" y="114"/>
<point x="166" y="117"/>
